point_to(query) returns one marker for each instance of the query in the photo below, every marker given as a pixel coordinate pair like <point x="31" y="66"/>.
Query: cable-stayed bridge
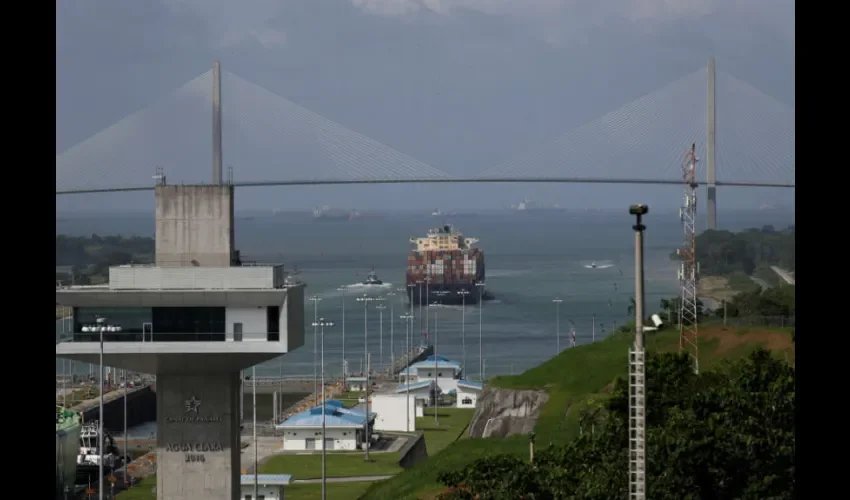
<point x="642" y="142"/>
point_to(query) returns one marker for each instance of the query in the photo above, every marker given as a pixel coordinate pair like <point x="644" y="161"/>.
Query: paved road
<point x="785" y="275"/>
<point x="353" y="479"/>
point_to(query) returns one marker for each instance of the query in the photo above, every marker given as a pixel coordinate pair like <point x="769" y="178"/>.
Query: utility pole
<point x="637" y="373"/>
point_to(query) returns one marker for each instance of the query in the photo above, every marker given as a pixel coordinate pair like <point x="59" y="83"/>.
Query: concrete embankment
<point x="506" y="412"/>
<point x="141" y="408"/>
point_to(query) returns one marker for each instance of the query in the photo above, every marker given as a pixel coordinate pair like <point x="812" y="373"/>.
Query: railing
<point x="148" y="336"/>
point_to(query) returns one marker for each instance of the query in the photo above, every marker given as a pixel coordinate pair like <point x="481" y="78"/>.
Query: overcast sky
<point x="460" y="85"/>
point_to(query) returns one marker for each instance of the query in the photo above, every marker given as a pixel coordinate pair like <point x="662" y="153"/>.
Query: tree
<point x="727" y="433"/>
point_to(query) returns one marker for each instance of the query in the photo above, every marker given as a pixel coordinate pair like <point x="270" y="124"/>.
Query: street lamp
<point x="366" y="299"/>
<point x="593" y="328"/>
<point x="380" y="308"/>
<point x="322" y="323"/>
<point x="100" y="326"/>
<point x="254" y="430"/>
<point x="637" y="374"/>
<point x="408" y="324"/>
<point x="419" y="284"/>
<point x="480" y="322"/>
<point x="392" y="331"/>
<point x="427" y="300"/>
<point x="463" y="294"/>
<point x="557" y="324"/>
<point x="436" y="372"/>
<point x="315" y="299"/>
<point x="343" y="289"/>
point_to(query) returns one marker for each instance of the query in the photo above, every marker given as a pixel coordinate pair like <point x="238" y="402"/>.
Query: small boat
<point x="372" y="279"/>
<point x="89" y="457"/>
<point x="593" y="265"/>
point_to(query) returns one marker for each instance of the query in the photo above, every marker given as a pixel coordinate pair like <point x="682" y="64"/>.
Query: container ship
<point x="67" y="445"/>
<point x="444" y="267"/>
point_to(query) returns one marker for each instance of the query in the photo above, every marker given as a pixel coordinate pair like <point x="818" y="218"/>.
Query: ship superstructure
<point x="67" y="446"/>
<point x="445" y="267"/>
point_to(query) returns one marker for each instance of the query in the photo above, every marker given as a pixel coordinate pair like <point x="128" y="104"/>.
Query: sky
<point x="458" y="86"/>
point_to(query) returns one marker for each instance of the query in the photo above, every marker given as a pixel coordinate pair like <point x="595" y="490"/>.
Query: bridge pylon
<point x="710" y="143"/>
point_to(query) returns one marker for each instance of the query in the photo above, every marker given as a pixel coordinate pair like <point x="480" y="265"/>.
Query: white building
<point x="468" y="393"/>
<point x="392" y="414"/>
<point x="344" y="428"/>
<point x="422" y="393"/>
<point x="445" y="371"/>
<point x="269" y="486"/>
<point x="356" y="384"/>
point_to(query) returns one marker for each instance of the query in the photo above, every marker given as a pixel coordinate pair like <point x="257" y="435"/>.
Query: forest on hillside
<point x="89" y="257"/>
<point x="721" y="253"/>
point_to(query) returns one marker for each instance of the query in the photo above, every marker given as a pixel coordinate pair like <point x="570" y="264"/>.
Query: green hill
<point x="577" y="379"/>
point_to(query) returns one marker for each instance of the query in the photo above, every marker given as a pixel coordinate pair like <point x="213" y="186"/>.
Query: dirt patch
<point x="716" y="288"/>
<point x="729" y="338"/>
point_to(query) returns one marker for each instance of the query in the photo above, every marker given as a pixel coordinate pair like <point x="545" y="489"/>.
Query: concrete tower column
<point x="710" y="171"/>
<point x="198" y="436"/>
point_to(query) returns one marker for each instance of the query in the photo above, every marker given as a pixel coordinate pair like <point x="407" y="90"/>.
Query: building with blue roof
<point x="344" y="428"/>
<point x="435" y="367"/>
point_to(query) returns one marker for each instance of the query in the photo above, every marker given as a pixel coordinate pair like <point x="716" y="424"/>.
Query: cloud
<point x="634" y="10"/>
<point x="269" y="38"/>
<point x="226" y="22"/>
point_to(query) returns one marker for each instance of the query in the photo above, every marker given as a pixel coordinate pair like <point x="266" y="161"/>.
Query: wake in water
<point x="599" y="265"/>
<point x="364" y="287"/>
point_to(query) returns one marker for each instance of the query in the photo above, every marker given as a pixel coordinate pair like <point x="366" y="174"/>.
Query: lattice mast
<point x="689" y="270"/>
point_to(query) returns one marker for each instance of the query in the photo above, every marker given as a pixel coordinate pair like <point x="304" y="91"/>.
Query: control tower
<point x="195" y="319"/>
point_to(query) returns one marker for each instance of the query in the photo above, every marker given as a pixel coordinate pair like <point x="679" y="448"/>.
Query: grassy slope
<point x="452" y="424"/>
<point x="574" y="379"/>
<point x="348" y="464"/>
<point x="144" y="491"/>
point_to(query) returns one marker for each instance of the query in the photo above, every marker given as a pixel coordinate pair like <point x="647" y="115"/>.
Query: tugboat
<point x="89" y="457"/>
<point x="372" y="279"/>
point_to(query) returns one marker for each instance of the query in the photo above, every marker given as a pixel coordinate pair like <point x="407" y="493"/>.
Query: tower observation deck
<point x="195" y="319"/>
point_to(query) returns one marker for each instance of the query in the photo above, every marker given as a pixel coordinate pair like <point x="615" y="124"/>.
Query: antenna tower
<point x="689" y="270"/>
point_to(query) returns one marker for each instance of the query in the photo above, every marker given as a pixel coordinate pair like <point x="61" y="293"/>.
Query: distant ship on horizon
<point x="326" y="213"/>
<point x="531" y="206"/>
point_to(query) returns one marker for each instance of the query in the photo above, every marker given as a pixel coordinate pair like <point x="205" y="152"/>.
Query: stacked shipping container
<point x="447" y="272"/>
